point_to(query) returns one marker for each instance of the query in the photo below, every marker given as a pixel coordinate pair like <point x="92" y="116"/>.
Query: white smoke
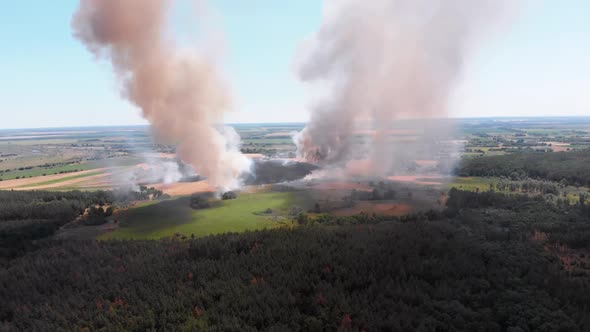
<point x="178" y="89"/>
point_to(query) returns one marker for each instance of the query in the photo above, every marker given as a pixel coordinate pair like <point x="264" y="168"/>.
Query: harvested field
<point x="31" y="183"/>
<point x="67" y="182"/>
<point x="254" y="155"/>
<point x="558" y="146"/>
<point x="185" y="188"/>
<point x="115" y="177"/>
<point x="167" y="155"/>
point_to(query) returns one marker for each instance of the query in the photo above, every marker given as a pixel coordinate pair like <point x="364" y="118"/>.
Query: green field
<point x="167" y="218"/>
<point x="40" y="171"/>
<point x="473" y="183"/>
<point x="483" y="184"/>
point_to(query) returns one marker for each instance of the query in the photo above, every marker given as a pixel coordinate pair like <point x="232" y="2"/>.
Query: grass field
<point x="473" y="183"/>
<point x="483" y="183"/>
<point x="176" y="216"/>
<point x="40" y="171"/>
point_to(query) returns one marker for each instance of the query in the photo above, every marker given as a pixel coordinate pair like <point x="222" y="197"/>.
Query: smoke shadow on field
<point x="276" y="171"/>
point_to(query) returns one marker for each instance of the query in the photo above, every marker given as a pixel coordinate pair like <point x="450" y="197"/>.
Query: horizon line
<point x="303" y="123"/>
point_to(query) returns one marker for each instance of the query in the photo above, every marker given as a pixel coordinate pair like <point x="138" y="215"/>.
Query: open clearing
<point x="379" y="208"/>
<point x="558" y="146"/>
<point x="473" y="183"/>
<point x="167" y="218"/>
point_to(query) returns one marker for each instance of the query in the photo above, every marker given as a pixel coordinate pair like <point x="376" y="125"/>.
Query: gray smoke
<point x="390" y="67"/>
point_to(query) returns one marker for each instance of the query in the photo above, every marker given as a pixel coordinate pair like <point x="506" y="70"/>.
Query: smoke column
<point x="178" y="91"/>
<point x="386" y="61"/>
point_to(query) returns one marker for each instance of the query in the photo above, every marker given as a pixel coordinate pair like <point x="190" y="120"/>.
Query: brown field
<point x="558" y="146"/>
<point x="167" y="155"/>
<point x="185" y="188"/>
<point x="254" y="155"/>
<point x="67" y="183"/>
<point x="114" y="177"/>
<point x="108" y="178"/>
<point x="418" y="179"/>
<point x="29" y="183"/>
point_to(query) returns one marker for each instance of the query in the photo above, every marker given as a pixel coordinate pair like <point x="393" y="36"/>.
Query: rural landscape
<point x="383" y="165"/>
<point x="517" y="198"/>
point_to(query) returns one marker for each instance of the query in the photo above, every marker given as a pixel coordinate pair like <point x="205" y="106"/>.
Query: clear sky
<point x="539" y="64"/>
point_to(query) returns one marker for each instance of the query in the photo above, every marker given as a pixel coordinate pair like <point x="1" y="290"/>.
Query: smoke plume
<point x="390" y="67"/>
<point x="178" y="90"/>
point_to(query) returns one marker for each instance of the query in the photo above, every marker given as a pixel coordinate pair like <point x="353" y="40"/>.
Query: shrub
<point x="229" y="195"/>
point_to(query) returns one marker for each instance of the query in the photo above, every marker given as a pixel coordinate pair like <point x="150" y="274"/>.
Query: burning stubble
<point x="179" y="91"/>
<point x="390" y="65"/>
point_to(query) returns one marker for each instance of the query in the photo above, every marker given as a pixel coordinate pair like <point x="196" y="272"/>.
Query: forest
<point x="567" y="167"/>
<point x="26" y="217"/>
<point x="488" y="262"/>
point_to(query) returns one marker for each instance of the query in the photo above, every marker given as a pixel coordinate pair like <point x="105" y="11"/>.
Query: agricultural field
<point x="175" y="216"/>
<point x="91" y="159"/>
<point x="43" y="152"/>
<point x="508" y="135"/>
<point x="94" y="198"/>
<point x="269" y="139"/>
<point x="474" y="183"/>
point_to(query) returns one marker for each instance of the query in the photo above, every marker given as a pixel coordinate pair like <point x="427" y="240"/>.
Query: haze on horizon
<point x="538" y="64"/>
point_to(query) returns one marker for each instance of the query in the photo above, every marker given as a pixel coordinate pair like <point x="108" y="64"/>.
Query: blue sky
<point x="539" y="64"/>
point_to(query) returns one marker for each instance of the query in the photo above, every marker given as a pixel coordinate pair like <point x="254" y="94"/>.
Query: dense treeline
<point x="474" y="267"/>
<point x="527" y="186"/>
<point x="564" y="223"/>
<point x="273" y="171"/>
<point x="410" y="276"/>
<point x="25" y="205"/>
<point x="554" y="166"/>
<point x="27" y="216"/>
